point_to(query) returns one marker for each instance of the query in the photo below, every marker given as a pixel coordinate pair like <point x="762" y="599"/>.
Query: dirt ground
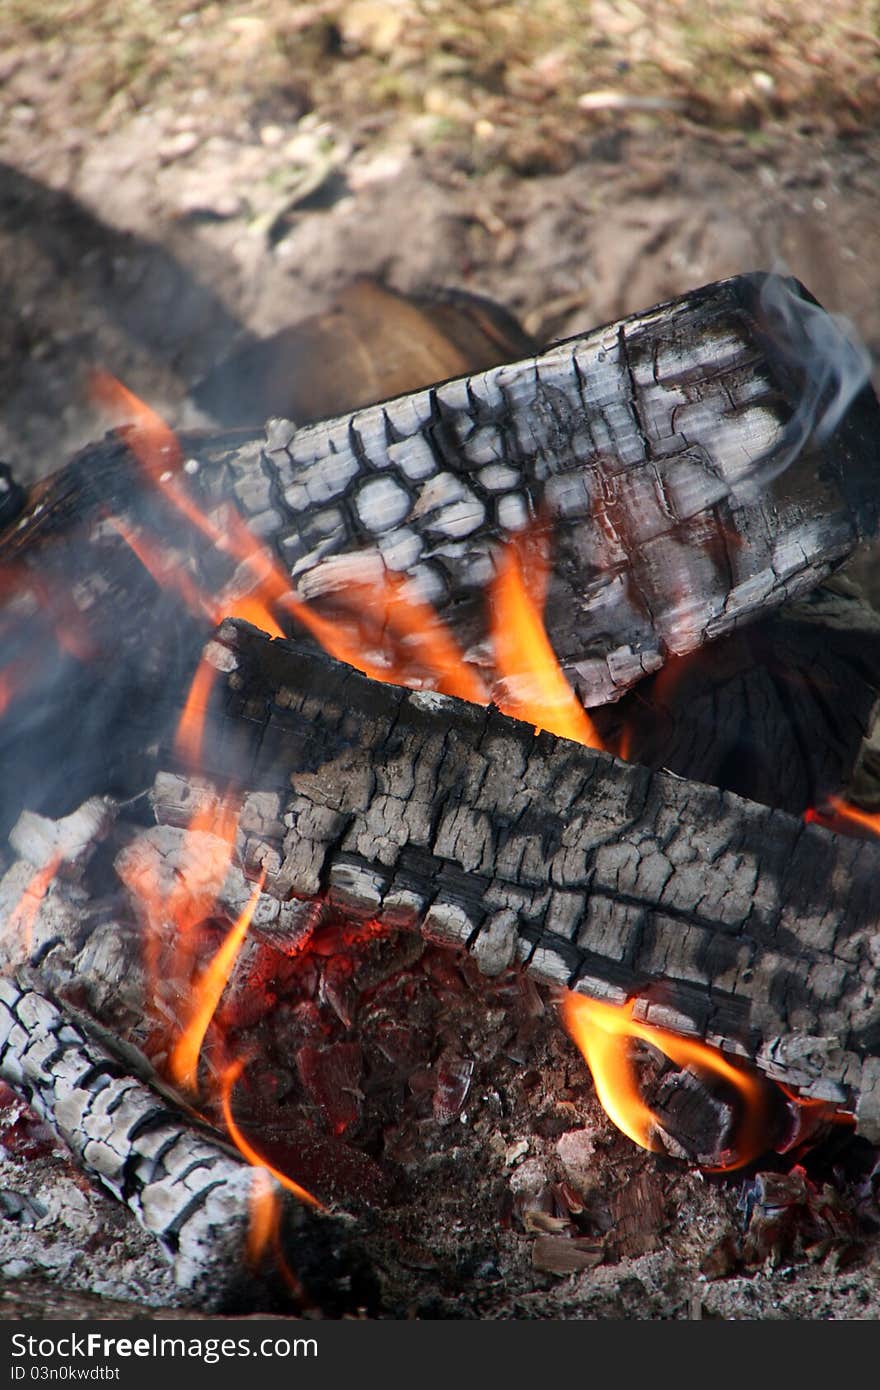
<point x="179" y="179"/>
<point x="176" y="180"/>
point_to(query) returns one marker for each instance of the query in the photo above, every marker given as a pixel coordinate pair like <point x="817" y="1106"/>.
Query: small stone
<point x="179" y="146"/>
<point x="515" y="1152"/>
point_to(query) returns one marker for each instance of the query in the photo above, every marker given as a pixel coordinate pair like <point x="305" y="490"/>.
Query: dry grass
<point x="466" y="69"/>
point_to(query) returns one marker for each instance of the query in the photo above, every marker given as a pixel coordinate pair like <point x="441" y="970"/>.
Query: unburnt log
<point x="184" y="1186"/>
<point x="685" y="460"/>
<point x="730" y="921"/>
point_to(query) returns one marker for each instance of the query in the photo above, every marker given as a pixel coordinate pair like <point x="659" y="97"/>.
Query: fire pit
<point x="393" y="731"/>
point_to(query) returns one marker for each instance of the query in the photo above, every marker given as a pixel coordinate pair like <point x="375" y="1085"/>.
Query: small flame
<point x="191" y="726"/>
<point x="246" y="1149"/>
<point x="184" y="1059"/>
<point x="534" y="686"/>
<point x="173" y="916"/>
<point x="603" y="1033"/>
<point x="154" y="443"/>
<point x="841" y="815"/>
<point x="264" y="1211"/>
<point x="166" y="574"/>
<point x="386" y="612"/>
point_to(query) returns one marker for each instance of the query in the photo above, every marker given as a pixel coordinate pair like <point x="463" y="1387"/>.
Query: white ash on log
<point x="733" y="922"/>
<point x="183" y="1186"/>
<point x="668" y="452"/>
<point x="659" y="447"/>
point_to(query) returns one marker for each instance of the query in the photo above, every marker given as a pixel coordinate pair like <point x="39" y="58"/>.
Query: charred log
<point x="732" y="922"/>
<point x="777" y="712"/>
<point x="670" y="452"/>
<point x="182" y="1183"/>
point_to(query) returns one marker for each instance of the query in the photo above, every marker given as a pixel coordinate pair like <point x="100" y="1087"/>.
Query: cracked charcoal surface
<point x="632" y="439"/>
<point x="184" y="1189"/>
<point x="734" y="922"/>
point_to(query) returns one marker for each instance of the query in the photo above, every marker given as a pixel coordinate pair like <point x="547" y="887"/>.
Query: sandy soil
<point x="160" y="203"/>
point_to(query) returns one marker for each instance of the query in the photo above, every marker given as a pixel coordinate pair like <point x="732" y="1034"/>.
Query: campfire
<point x="522" y="692"/>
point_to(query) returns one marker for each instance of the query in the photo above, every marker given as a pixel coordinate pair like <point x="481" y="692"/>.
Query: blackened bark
<point x="731" y="921"/>
<point x="661" y="449"/>
<point x="184" y="1186"/>
<point x="777" y="712"/>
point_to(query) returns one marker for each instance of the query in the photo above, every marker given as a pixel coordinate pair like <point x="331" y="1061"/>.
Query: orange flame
<point x="191" y="726"/>
<point x="24" y="914"/>
<point x="265" y="1210"/>
<point x="229" y="1079"/>
<point x="379" y="610"/>
<point x="167" y="575"/>
<point x="603" y="1032"/>
<point x="384" y="630"/>
<point x="171" y="917"/>
<point x="841" y="815"/>
<point x="184" y="1060"/>
<point x="534" y="686"/>
<point x="416" y="647"/>
<point x="160" y="445"/>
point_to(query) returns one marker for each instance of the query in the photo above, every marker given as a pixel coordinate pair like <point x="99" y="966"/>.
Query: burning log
<point x="183" y="1184"/>
<point x="777" y="712"/>
<point x="732" y="922"/>
<point x="698" y="465"/>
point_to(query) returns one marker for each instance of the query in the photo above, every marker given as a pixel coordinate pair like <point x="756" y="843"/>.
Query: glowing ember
<point x="184" y="1060"/>
<point x="603" y="1033"/>
<point x="24" y="914"/>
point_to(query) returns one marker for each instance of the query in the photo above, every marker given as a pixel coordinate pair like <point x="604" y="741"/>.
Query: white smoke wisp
<point x="835" y="365"/>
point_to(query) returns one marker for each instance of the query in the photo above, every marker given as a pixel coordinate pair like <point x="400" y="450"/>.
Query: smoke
<point x="833" y="364"/>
